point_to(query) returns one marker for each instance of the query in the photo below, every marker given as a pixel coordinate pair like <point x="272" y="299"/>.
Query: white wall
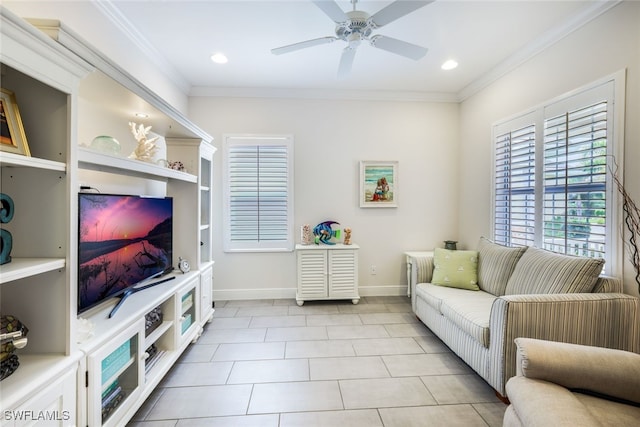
<point x="331" y="137"/>
<point x="608" y="44"/>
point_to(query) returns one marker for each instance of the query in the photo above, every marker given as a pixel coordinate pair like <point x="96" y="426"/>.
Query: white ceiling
<point x="485" y="37"/>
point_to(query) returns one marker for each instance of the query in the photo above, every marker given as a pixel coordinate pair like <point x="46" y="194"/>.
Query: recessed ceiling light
<point x="449" y="65"/>
<point x="142" y="115"/>
<point x="219" y="58"/>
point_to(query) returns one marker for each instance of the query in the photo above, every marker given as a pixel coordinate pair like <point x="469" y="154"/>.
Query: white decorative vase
<point x="306" y="236"/>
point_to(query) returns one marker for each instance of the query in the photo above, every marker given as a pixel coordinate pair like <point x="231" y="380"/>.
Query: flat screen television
<point x="123" y="241"/>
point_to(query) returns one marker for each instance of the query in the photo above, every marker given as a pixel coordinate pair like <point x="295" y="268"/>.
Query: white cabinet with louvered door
<point x="327" y="272"/>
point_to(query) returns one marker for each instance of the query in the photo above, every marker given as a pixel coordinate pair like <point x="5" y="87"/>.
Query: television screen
<point x="123" y="240"/>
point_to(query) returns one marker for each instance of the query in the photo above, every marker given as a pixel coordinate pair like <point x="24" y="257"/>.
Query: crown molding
<point x="537" y="46"/>
<point x="115" y="16"/>
<point x="354" y="95"/>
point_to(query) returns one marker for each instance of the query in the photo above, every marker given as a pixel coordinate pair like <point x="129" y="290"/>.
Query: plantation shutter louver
<point x="258" y="195"/>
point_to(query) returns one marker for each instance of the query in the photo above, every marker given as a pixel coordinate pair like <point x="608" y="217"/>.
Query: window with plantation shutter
<point x="575" y="177"/>
<point x="258" y="193"/>
<point x="514" y="220"/>
<point x="552" y="183"/>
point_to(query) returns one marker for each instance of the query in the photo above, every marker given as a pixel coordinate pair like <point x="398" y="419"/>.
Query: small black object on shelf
<point x="450" y="244"/>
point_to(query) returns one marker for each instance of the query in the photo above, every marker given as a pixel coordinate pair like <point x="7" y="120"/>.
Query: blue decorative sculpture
<point x="324" y="233"/>
<point x="6" y="240"/>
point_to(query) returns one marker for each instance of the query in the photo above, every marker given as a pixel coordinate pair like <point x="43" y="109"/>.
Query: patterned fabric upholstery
<point x="470" y="311"/>
<point x="544" y="272"/>
<point x="598" y="319"/>
<point x="608" y="284"/>
<point x="424" y="268"/>
<point x="495" y="265"/>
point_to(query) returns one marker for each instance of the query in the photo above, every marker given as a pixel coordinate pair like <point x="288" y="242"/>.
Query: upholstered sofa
<point x="559" y="384"/>
<point x="521" y="292"/>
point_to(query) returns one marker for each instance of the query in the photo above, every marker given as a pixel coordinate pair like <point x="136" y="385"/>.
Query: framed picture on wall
<point x="12" y="137"/>
<point x="378" y="184"/>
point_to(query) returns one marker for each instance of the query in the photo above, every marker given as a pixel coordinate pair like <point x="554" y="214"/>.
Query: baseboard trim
<point x="382" y="291"/>
<point x="246" y="294"/>
<point x="290" y="293"/>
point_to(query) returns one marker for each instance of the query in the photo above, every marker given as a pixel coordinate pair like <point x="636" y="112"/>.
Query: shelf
<point x="40" y="368"/>
<point x="19" y="268"/>
<point x="204" y="227"/>
<point x="164" y="327"/>
<point x="154" y="362"/>
<point x="106" y="383"/>
<point x="93" y="160"/>
<point x="20" y="161"/>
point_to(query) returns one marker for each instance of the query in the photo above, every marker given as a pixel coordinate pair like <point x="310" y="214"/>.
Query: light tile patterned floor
<point x="270" y="363"/>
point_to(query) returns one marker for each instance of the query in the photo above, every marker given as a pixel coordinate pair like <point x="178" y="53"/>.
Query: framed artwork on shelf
<point x="12" y="137"/>
<point x="378" y="184"/>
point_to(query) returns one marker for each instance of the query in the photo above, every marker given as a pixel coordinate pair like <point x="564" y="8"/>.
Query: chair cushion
<point x="495" y="265"/>
<point x="609" y="412"/>
<point x="542" y="272"/>
<point x="456" y="269"/>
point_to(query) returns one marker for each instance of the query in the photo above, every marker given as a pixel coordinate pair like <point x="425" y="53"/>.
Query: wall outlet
<point x="373" y="270"/>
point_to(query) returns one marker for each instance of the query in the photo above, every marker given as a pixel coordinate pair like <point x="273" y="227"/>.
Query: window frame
<point x="537" y="116"/>
<point x="257" y="140"/>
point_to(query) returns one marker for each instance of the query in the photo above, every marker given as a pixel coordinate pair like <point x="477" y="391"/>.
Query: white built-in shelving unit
<point x="69" y="93"/>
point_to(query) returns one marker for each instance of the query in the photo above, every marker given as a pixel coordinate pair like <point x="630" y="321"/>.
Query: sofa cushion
<point x="434" y="294"/>
<point x="495" y="265"/>
<point x="543" y="272"/>
<point x="456" y="269"/>
<point x="470" y="311"/>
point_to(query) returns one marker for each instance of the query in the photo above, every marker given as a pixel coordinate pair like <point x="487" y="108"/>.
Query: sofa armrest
<point x="614" y="373"/>
<point x="609" y="320"/>
<point x="608" y="284"/>
<point x="421" y="270"/>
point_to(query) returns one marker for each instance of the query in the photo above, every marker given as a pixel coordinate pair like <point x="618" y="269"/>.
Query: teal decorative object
<point x="324" y="233"/>
<point x="6" y="240"/>
<point x="450" y="244"/>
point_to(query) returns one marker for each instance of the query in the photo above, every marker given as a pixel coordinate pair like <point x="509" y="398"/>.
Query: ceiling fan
<point x="355" y="26"/>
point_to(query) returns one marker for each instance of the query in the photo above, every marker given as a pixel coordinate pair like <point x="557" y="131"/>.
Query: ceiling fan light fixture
<point x="355" y="26"/>
<point x="219" y="58"/>
<point x="449" y="65"/>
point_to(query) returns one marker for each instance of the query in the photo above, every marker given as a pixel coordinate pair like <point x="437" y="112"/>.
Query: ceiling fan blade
<point x="396" y="10"/>
<point x="332" y="10"/>
<point x="346" y="61"/>
<point x="302" y="45"/>
<point x="398" y="47"/>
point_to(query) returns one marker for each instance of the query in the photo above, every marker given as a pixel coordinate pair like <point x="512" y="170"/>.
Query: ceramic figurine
<point x="347" y="236"/>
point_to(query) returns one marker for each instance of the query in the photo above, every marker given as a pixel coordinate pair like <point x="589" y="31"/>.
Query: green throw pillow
<point x="455" y="269"/>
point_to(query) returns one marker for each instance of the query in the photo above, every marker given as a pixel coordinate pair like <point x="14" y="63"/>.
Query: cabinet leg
<point x="355" y="301"/>
<point x="299" y="302"/>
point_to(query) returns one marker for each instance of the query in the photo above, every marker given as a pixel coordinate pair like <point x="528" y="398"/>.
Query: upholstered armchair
<point x="561" y="384"/>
